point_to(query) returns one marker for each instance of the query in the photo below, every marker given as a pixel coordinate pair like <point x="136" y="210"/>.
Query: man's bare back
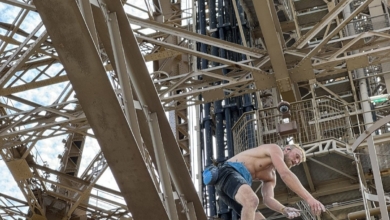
<point x="258" y="162"/>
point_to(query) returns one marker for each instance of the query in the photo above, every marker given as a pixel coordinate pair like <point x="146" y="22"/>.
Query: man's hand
<point x="291" y="212"/>
<point x="316" y="206"/>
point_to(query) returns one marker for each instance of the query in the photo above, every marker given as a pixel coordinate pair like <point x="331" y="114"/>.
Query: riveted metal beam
<point x="274" y="48"/>
<point x="252" y="52"/>
<point x="87" y="74"/>
<point x="301" y="42"/>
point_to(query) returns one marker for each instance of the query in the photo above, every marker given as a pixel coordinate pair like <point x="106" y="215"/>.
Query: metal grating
<point x="305" y="208"/>
<point x="318" y="119"/>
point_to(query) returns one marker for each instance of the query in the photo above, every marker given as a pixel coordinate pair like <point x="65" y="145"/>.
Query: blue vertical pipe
<point x="217" y="104"/>
<point x="203" y="153"/>
<point x="224" y="19"/>
<point x="218" y="110"/>
<point x="207" y="118"/>
<point x="228" y="105"/>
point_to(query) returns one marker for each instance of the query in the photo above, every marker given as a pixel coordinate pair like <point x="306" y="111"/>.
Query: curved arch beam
<point x="369" y="131"/>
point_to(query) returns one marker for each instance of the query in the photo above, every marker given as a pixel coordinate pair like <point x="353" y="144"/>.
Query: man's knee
<point x="251" y="201"/>
<point x="246" y="197"/>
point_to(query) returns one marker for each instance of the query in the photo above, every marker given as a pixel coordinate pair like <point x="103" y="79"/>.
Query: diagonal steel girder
<point x="19" y="4"/>
<point x="24" y="57"/>
<point x="149" y="99"/>
<point x="15" y="209"/>
<point x="301" y="42"/>
<point x="264" y="13"/>
<point x="33" y="85"/>
<point x="210" y="87"/>
<point x="86" y="72"/>
<point x="202" y="55"/>
<point x="77" y="184"/>
<point x="57" y="120"/>
<point x="104" y="113"/>
<point x="251" y="52"/>
<point x="92" y="174"/>
<point x="349" y="63"/>
<point x="327" y="38"/>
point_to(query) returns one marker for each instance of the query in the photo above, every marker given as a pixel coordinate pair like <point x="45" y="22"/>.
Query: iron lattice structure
<point x="86" y="86"/>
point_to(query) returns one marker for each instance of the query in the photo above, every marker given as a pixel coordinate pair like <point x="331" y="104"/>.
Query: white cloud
<point x="8" y="13"/>
<point x="8" y="184"/>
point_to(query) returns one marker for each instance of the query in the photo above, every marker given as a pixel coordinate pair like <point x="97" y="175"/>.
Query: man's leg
<point x="249" y="201"/>
<point x="259" y="216"/>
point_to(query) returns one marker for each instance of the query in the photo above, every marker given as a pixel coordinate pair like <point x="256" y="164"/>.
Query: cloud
<point x="8" y="184"/>
<point x="8" y="13"/>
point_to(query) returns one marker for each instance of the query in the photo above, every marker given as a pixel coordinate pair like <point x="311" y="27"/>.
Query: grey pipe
<point x="362" y="214"/>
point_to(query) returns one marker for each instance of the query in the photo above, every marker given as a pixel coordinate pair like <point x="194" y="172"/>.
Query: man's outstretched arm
<point x="267" y="191"/>
<point x="291" y="180"/>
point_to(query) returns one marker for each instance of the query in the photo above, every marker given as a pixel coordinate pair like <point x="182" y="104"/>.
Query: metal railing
<point x="317" y="119"/>
<point x="305" y="208"/>
<point x="364" y="23"/>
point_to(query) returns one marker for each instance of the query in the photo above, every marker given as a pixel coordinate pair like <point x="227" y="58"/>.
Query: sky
<point x="47" y="150"/>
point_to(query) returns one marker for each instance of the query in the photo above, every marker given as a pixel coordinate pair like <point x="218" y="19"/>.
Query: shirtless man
<point x="260" y="164"/>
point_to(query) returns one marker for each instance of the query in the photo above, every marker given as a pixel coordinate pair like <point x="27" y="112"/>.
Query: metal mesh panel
<point x="244" y="132"/>
<point x="366" y="23"/>
<point x="305" y="208"/>
<point x="319" y="119"/>
<point x="382" y="154"/>
<point x="332" y="121"/>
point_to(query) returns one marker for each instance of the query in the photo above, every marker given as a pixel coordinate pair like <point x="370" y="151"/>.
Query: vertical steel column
<point x="377" y="176"/>
<point x="228" y="128"/>
<point x="219" y="135"/>
<point x="228" y="105"/>
<point x="362" y="83"/>
<point x="367" y="116"/>
<point x="199" y="136"/>
<point x="248" y="105"/>
<point x="209" y="155"/>
<point x="199" y="148"/>
<point x="367" y="135"/>
<point x="207" y="117"/>
<point x="86" y="11"/>
<point x="363" y="185"/>
<point x="203" y="155"/>
<point x="162" y="165"/>
<point x="218" y="110"/>
<point x="315" y="109"/>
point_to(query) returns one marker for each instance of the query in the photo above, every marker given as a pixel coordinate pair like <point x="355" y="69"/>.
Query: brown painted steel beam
<point x="147" y="96"/>
<point x="87" y="74"/>
<point x="33" y="85"/>
<point x="264" y="13"/>
<point x="252" y="52"/>
<point x="301" y="42"/>
<point x="19" y="4"/>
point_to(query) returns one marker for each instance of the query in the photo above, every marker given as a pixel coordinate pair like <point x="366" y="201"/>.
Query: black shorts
<point x="227" y="185"/>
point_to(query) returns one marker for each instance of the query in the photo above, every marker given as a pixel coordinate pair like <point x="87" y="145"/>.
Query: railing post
<point x="315" y="110"/>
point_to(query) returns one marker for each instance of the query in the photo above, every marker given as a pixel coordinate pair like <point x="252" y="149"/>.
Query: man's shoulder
<point x="269" y="147"/>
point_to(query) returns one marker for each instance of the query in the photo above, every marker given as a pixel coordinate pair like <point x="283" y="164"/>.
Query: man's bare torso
<point x="258" y="163"/>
